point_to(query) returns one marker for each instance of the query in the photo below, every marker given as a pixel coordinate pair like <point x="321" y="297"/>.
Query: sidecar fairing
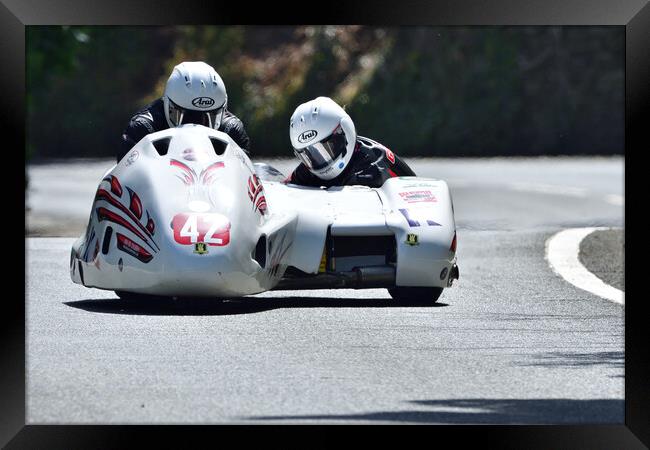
<point x="185" y="213"/>
<point x="182" y="214"/>
<point x="402" y="234"/>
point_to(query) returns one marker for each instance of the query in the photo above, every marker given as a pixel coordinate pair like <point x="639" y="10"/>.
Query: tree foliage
<point x="437" y="91"/>
<point x="83" y="84"/>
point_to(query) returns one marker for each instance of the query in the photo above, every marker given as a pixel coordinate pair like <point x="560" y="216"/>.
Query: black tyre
<point x="415" y="295"/>
<point x="133" y="297"/>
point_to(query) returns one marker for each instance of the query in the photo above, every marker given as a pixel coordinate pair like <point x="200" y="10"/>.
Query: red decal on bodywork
<point x="261" y="204"/>
<point x="189" y="175"/>
<point x="102" y="194"/>
<point x="135" y="205"/>
<point x="105" y="214"/>
<point x="207" y="174"/>
<point x="150" y="225"/>
<point x="255" y="188"/>
<point x="116" y="187"/>
<point x="132" y="248"/>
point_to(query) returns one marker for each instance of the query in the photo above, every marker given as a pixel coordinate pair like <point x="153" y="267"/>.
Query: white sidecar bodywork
<point x="186" y="213"/>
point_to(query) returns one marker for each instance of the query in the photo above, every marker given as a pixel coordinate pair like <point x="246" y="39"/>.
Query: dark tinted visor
<point x="319" y="155"/>
<point x="180" y="116"/>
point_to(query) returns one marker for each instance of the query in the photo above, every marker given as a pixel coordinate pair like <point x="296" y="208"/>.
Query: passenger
<point x="324" y="139"/>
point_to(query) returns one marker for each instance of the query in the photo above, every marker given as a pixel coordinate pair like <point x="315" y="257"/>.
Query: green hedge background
<point x="422" y="91"/>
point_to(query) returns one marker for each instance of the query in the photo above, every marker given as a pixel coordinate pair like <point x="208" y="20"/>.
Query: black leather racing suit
<point x="151" y="118"/>
<point x="371" y="165"/>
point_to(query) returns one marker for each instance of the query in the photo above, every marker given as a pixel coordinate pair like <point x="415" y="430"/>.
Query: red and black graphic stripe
<point x="189" y="176"/>
<point x="106" y="214"/>
<point x="116" y="187"/>
<point x="90" y="239"/>
<point x="103" y="194"/>
<point x="261" y="204"/>
<point x="255" y="188"/>
<point x="207" y="175"/>
<point x="132" y="248"/>
<point x="151" y="226"/>
<point x="135" y="205"/>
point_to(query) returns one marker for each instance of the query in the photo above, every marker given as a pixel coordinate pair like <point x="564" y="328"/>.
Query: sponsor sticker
<point x="203" y="102"/>
<point x="200" y="248"/>
<point x="418" y="196"/>
<point x="307" y="136"/>
<point x="391" y="156"/>
<point x="412" y="239"/>
<point x="132" y="248"/>
<point x="133" y="157"/>
<point x="419" y="185"/>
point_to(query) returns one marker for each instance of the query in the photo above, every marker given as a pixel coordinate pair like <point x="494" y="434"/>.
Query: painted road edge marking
<point x="562" y="250"/>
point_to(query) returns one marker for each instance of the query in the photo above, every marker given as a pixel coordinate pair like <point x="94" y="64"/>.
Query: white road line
<point x="562" y="251"/>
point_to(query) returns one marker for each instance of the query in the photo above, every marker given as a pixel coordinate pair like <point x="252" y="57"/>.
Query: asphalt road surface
<point x="603" y="253"/>
<point x="510" y="342"/>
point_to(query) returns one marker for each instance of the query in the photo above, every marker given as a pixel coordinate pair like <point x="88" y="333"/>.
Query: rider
<point x="332" y="154"/>
<point x="195" y="93"/>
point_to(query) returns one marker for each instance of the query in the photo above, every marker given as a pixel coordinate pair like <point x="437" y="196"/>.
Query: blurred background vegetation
<point x="422" y="91"/>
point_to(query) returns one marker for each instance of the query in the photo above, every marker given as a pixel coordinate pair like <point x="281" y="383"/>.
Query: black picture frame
<point x="634" y="15"/>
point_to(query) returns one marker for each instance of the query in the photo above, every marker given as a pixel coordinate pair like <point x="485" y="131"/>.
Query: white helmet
<point x="323" y="137"/>
<point x="195" y="93"/>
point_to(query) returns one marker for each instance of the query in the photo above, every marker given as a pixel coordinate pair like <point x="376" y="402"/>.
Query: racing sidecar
<point x="186" y="214"/>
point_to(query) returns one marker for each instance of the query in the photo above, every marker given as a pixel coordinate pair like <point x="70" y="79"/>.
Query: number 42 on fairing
<point x="191" y="228"/>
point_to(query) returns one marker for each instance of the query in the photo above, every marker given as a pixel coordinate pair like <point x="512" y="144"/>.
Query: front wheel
<point x="415" y="295"/>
